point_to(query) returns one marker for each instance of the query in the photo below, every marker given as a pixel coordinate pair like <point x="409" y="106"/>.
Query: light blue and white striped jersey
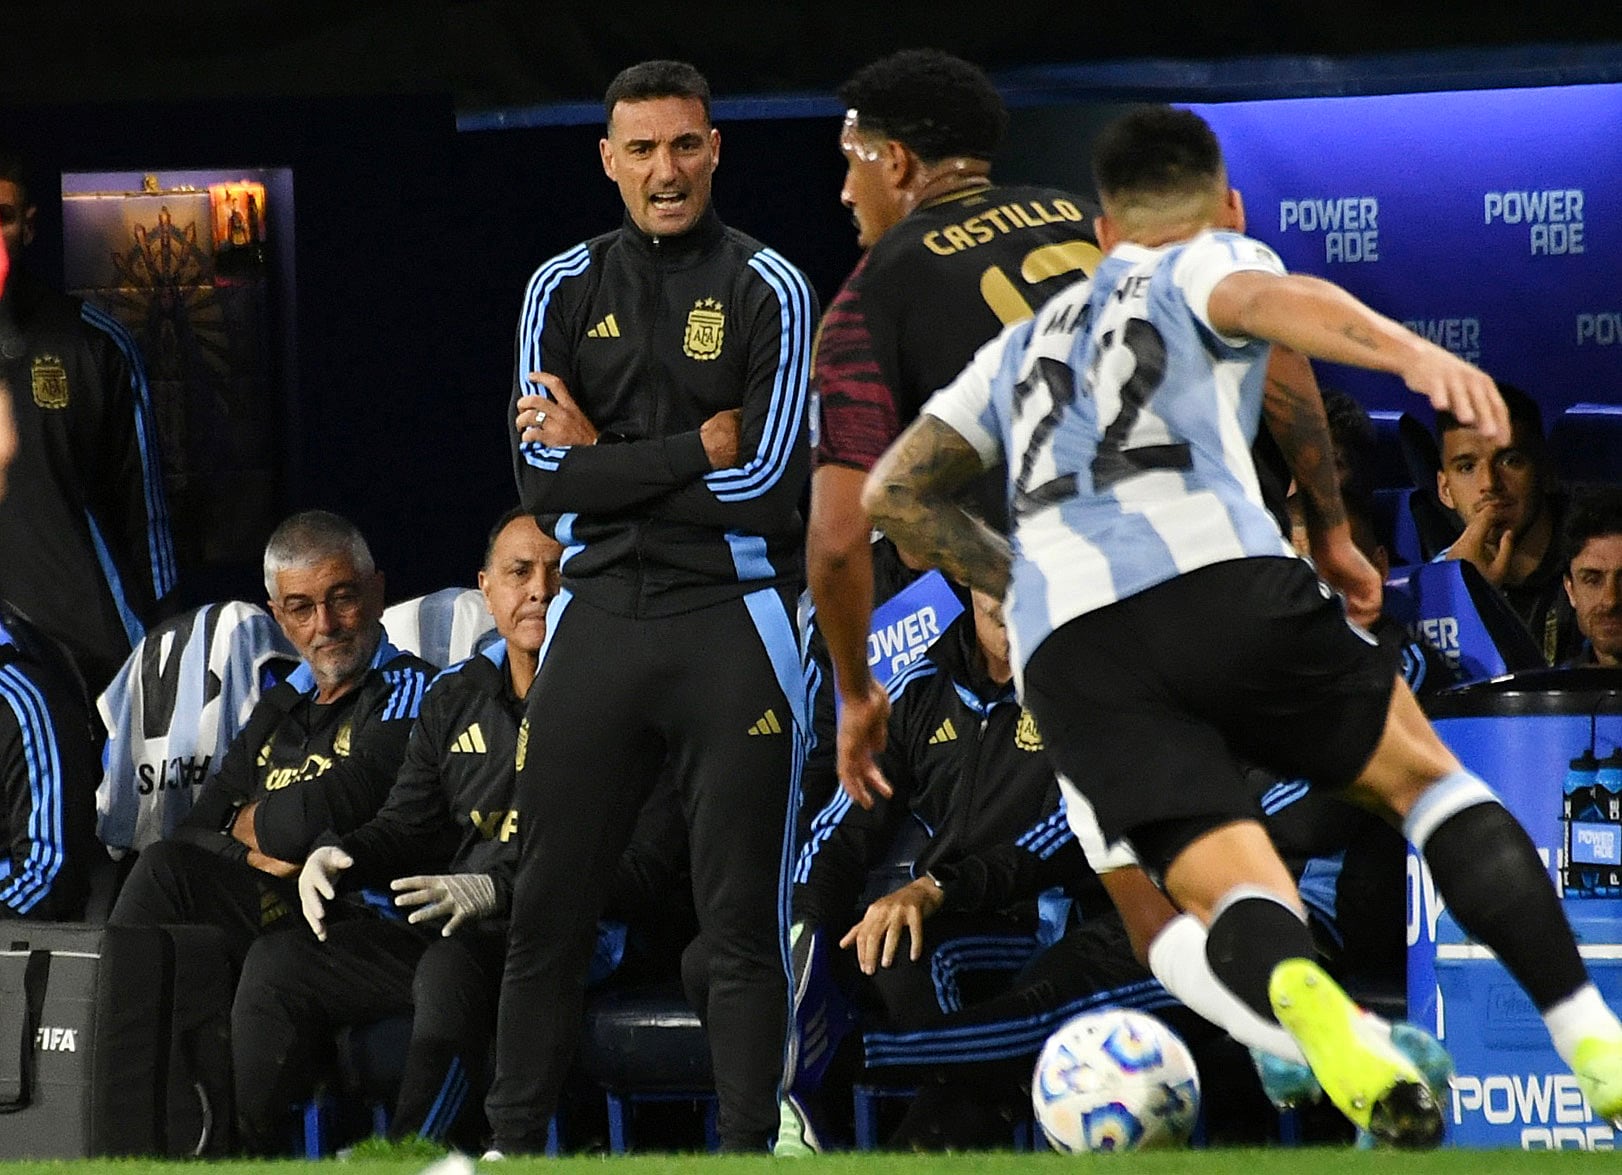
<point x="1126" y="423"/>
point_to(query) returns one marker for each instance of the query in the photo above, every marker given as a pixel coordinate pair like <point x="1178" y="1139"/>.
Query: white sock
<point x="1177" y="958"/>
<point x="1581" y="1014"/>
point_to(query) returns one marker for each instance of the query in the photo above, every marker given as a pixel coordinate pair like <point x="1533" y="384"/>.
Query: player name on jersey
<point x="989" y="223"/>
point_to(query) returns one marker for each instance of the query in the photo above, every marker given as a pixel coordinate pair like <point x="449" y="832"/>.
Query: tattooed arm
<point x="910" y="495"/>
<point x="1295" y="416"/>
<point x="1323" y="321"/>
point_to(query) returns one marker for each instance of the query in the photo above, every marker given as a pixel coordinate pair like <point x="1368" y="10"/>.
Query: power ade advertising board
<point x="1488" y="221"/>
<point x="1520" y="734"/>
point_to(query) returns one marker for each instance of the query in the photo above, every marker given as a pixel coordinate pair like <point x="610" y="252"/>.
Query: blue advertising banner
<point x="1488" y="221"/>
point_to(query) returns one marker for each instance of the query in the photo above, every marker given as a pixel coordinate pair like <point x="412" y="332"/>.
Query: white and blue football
<point x="1113" y="1081"/>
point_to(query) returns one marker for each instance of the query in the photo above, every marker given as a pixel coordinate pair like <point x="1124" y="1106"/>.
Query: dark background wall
<point x="414" y="238"/>
<point x="413" y="243"/>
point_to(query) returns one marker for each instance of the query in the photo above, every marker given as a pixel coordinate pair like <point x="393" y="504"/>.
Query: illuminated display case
<point x="197" y="264"/>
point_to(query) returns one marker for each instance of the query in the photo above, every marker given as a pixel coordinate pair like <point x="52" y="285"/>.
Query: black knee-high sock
<point x="1247" y="940"/>
<point x="1489" y="873"/>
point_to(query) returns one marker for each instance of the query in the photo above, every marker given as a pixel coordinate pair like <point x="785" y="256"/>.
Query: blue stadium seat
<point x="1390" y="470"/>
<point x="647" y="1045"/>
<point x="1395" y="526"/>
<point x="1451" y="607"/>
<point x="1586" y="444"/>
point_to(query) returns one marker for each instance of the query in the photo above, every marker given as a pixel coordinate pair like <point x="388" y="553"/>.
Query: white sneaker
<point x="489" y="1156"/>
<point x="795" y="1136"/>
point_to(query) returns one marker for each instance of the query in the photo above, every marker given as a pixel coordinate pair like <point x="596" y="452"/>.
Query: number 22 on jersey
<point x="1126" y="368"/>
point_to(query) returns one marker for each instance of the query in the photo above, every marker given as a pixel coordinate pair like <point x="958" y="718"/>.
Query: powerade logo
<point x="1462" y="336"/>
<point x="895" y="646"/>
<point x="1425" y="904"/>
<point x="908" y="622"/>
<point x="1596" y="844"/>
<point x="1601" y="329"/>
<point x="1553" y="218"/>
<point x="1549" y="1108"/>
<point x="1350" y="225"/>
<point x="1441" y="633"/>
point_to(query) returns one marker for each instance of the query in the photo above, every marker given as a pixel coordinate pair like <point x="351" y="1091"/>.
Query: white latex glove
<point x="461" y="897"/>
<point x="319" y="879"/>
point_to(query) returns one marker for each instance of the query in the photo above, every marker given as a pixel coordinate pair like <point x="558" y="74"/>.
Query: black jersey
<point x="310" y="766"/>
<point x="47" y="778"/>
<point x="653" y="336"/>
<point x="85" y="548"/>
<point x="934" y="288"/>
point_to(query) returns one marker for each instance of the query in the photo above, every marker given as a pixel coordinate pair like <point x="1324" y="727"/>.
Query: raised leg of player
<point x="1497" y="888"/>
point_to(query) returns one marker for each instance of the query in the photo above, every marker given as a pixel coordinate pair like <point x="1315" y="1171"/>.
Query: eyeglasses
<point x="344" y="603"/>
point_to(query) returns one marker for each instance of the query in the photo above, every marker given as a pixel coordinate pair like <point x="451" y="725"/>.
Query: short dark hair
<point x="656" y="79"/>
<point x="935" y="104"/>
<point x="502" y="524"/>
<point x="1523" y="413"/>
<point x="1352" y="433"/>
<point x="14" y="169"/>
<point x="1594" y="512"/>
<point x="1156" y="149"/>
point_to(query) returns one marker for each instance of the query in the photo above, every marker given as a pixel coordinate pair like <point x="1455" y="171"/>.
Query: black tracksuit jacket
<point x="653" y="336"/>
<point x="965" y="760"/>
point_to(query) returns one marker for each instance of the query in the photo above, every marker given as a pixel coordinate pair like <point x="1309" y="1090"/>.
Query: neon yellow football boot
<point x="1350" y="1051"/>
<point x="1598" y="1066"/>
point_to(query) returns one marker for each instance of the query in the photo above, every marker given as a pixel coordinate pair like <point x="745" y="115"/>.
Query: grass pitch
<point x="1276" y="1161"/>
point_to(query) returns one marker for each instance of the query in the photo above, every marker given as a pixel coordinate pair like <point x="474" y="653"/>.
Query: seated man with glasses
<point x="319" y="752"/>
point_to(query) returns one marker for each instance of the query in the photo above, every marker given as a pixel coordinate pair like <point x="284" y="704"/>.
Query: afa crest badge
<point x="523" y="745"/>
<point x="706" y="329"/>
<point x="1026" y="736"/>
<point x="50" y="382"/>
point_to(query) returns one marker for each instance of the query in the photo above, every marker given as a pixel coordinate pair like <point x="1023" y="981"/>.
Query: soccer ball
<point x="1115" y="1081"/>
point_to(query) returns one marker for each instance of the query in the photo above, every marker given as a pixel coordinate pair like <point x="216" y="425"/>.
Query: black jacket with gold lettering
<point x="85" y="545"/>
<point x="312" y="767"/>
<point x="966" y="764"/>
<point x="450" y="810"/>
<point x="935" y="287"/>
<point x="653" y="336"/>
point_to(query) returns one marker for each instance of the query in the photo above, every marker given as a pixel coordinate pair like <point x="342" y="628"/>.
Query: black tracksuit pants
<point x="174" y="882"/>
<point x="717" y="697"/>
<point x="296" y="991"/>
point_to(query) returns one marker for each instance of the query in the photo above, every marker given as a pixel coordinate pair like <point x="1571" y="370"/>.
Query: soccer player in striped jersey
<point x="1161" y="625"/>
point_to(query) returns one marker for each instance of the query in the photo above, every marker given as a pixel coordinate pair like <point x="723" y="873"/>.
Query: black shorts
<point x="1149" y="705"/>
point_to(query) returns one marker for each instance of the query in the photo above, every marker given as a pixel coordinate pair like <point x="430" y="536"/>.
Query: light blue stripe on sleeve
<point x="47" y="839"/>
<point x="786" y="420"/>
